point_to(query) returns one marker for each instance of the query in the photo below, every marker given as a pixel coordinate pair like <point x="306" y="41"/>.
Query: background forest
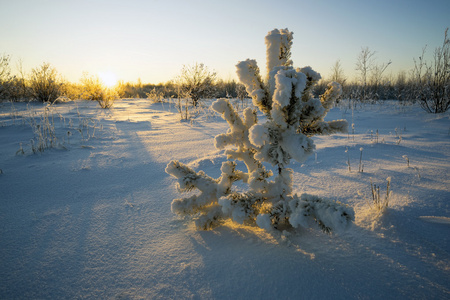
<point x="427" y="82"/>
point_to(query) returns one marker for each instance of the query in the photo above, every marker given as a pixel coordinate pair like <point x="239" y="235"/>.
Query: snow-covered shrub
<point x="293" y="116"/>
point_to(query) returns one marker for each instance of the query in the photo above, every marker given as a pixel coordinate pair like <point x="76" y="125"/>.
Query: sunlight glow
<point x="108" y="78"/>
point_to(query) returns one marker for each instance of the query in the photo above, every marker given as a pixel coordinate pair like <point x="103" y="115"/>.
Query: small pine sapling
<point x="293" y="117"/>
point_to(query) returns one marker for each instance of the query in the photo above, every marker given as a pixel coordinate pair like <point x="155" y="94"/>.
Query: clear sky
<point x="153" y="39"/>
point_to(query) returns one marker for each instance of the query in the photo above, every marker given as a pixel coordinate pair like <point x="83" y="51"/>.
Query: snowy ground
<point x="90" y="217"/>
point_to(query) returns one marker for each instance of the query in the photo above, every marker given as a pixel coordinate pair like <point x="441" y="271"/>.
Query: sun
<point x="108" y="78"/>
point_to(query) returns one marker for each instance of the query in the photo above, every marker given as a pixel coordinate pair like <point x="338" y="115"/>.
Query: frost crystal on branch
<point x="293" y="116"/>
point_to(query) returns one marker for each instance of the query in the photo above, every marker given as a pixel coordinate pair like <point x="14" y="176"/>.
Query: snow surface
<point x="90" y="218"/>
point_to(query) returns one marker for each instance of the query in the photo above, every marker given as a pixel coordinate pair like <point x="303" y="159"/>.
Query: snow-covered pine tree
<point x="293" y="116"/>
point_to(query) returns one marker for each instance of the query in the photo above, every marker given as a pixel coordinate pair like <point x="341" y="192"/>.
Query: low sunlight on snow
<point x="90" y="216"/>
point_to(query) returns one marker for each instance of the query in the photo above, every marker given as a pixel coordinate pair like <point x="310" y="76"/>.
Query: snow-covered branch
<point x="249" y="75"/>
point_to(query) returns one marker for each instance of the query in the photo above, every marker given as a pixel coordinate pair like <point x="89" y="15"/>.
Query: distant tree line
<point x="45" y="84"/>
<point x="427" y="83"/>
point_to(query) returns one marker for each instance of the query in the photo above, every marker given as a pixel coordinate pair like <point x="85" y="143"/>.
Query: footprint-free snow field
<point x="88" y="214"/>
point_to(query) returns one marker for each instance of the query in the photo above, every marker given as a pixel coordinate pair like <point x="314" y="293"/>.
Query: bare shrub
<point x="364" y="65"/>
<point x="432" y="80"/>
<point x="337" y="73"/>
<point x="107" y="98"/>
<point x="377" y="80"/>
<point x="45" y="83"/>
<point x="21" y="88"/>
<point x="5" y="75"/>
<point x="155" y="96"/>
<point x="94" y="89"/>
<point x="196" y="82"/>
<point x="12" y="87"/>
<point x="71" y="90"/>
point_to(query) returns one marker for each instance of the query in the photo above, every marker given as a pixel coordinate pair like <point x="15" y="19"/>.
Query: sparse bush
<point x="337" y="74"/>
<point x="92" y="87"/>
<point x="21" y="86"/>
<point x="371" y="84"/>
<point x="432" y="80"/>
<point x="12" y="88"/>
<point x="17" y="89"/>
<point x="293" y="116"/>
<point x="126" y="89"/>
<point x="196" y="82"/>
<point x="107" y="98"/>
<point x="5" y="76"/>
<point x="71" y="90"/>
<point x="364" y="65"/>
<point x="155" y="96"/>
<point x="378" y="81"/>
<point x="45" y="83"/>
<point x="401" y="90"/>
<point x="51" y="129"/>
<point x="44" y="132"/>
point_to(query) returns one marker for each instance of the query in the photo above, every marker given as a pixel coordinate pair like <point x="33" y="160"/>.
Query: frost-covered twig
<point x="407" y="159"/>
<point x="361" y="165"/>
<point x="379" y="203"/>
<point x="348" y="160"/>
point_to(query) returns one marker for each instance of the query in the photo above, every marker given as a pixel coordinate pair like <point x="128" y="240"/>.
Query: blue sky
<point x="152" y="40"/>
